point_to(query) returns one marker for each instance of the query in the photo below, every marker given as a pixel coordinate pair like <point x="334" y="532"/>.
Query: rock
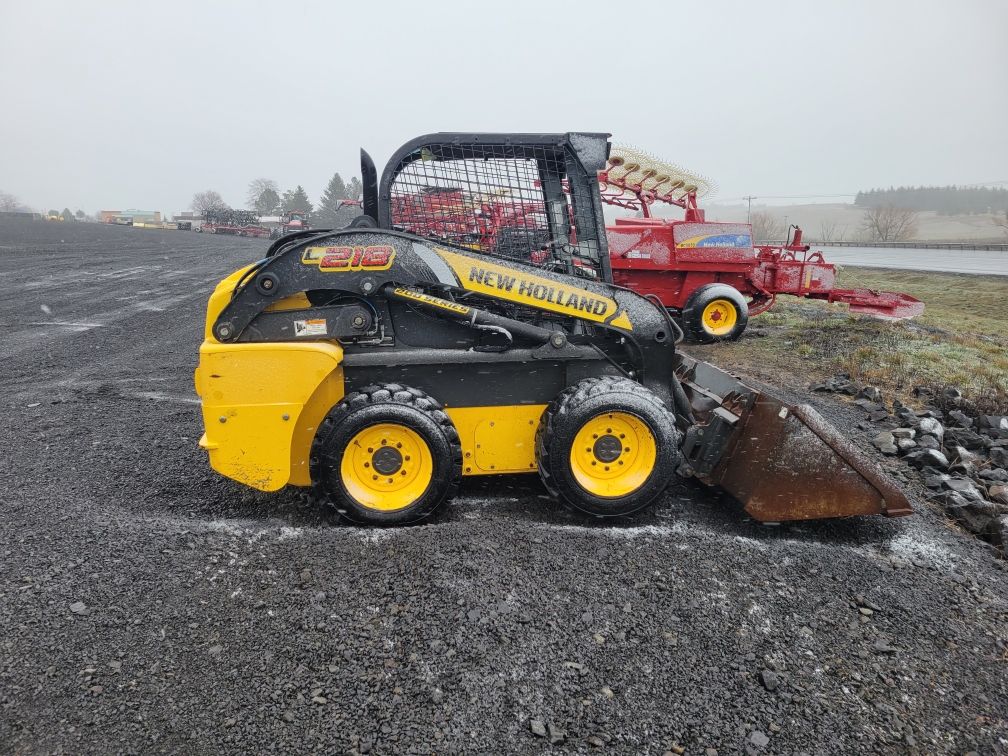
<point x="769" y="680"/>
<point x="884" y="443"/>
<point x="473" y="615"/>
<point x="878" y="416"/>
<point x="862" y="601"/>
<point x="935" y="481"/>
<point x="965" y="437"/>
<point x="931" y="427"/>
<point x="759" y="739"/>
<point x="78" y="607"/>
<point x="981" y="508"/>
<point x="848" y="388"/>
<point x="960" y="510"/>
<point x="999" y="457"/>
<point x="921" y="458"/>
<point x="928" y="441"/>
<point x="997" y="531"/>
<point x="596" y="741"/>
<point x="607" y="691"/>
<point x="320" y="700"/>
<point x="963" y="421"/>
<point x="288" y="716"/>
<point x="215" y="650"/>
<point x="437" y="695"/>
<point x="710" y="752"/>
<point x="998" y="494"/>
<point x="599" y="638"/>
<point x="952" y="396"/>
<point x="995" y="422"/>
<point x="882" y="646"/>
<point x="870" y="393"/>
<point x="922" y="391"/>
<point x="904" y="445"/>
<point x="556" y="735"/>
<point x="904" y="433"/>
<point x="230" y="722"/>
<point x="965" y="455"/>
<point x="959" y="485"/>
<point x="994" y="474"/>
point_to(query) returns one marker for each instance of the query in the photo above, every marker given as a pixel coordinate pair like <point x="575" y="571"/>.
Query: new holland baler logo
<point x="716" y="240"/>
<point x="506" y="283"/>
<point x="341" y="259"/>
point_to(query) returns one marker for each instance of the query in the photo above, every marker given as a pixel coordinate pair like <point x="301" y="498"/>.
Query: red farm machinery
<point x="233" y="223"/>
<point x="712" y="273"/>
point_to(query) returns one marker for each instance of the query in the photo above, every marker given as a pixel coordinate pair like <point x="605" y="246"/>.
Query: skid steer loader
<point x="467" y="324"/>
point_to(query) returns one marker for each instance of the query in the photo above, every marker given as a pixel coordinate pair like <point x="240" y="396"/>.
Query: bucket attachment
<point x="782" y="462"/>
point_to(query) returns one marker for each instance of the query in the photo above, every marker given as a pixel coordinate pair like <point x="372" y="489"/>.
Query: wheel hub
<point x="386" y="466"/>
<point x="613" y="454"/>
<point x="608" y="448"/>
<point x="387" y="460"/>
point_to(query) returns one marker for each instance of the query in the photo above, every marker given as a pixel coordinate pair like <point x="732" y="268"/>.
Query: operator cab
<point x="506" y="196"/>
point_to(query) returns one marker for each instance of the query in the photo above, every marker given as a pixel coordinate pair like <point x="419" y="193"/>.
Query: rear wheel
<point x="715" y="312"/>
<point x="386" y="455"/>
<point x="606" y="446"/>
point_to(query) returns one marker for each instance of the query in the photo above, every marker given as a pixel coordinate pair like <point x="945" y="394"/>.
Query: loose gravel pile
<point x="148" y="605"/>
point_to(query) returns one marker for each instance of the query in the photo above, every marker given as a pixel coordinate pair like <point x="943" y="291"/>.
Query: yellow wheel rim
<point x="719" y="317"/>
<point x="386" y="467"/>
<point x="613" y="455"/>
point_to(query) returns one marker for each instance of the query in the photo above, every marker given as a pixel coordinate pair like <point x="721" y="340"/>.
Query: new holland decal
<point x="342" y="259"/>
<point x="485" y="277"/>
<point x="716" y="240"/>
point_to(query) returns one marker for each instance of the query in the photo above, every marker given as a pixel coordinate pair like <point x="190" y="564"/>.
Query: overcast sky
<point x="139" y="105"/>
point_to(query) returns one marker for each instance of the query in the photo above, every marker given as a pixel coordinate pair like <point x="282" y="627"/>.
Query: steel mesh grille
<point x="493" y="200"/>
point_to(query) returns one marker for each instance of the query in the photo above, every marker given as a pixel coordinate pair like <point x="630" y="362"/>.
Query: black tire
<point x="692" y="314"/>
<point x="588" y="401"/>
<point x="380" y="405"/>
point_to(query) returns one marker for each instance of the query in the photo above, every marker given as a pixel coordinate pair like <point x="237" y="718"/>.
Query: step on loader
<point x="467" y="324"/>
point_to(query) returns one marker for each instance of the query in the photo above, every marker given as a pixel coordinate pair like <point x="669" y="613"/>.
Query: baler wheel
<point x="606" y="446"/>
<point x="386" y="455"/>
<point x="715" y="312"/>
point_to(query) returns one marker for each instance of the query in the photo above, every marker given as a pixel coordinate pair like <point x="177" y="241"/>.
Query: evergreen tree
<point x="67" y="215"/>
<point x="296" y="199"/>
<point x="267" y="203"/>
<point x="330" y="211"/>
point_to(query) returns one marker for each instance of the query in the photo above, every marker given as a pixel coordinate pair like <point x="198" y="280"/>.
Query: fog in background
<point x="122" y="105"/>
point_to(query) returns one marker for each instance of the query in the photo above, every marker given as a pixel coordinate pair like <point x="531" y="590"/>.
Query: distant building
<point x="137" y="216"/>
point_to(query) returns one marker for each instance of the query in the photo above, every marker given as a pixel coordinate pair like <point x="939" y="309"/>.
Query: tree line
<point x="264" y="198"/>
<point x="945" y="200"/>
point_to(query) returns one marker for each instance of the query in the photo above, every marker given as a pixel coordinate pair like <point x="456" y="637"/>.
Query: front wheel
<point x="606" y="446"/>
<point x="715" y="312"/>
<point x="386" y="455"/>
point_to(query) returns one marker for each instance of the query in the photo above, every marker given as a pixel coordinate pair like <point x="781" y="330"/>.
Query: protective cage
<point x="507" y="196"/>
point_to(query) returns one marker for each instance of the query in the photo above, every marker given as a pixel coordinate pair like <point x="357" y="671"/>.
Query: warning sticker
<point x="310" y="327"/>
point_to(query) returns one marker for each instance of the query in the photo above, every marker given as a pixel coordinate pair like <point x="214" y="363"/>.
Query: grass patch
<point x="961" y="340"/>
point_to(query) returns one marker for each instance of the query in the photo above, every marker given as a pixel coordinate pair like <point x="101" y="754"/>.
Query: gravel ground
<point x="148" y="605"/>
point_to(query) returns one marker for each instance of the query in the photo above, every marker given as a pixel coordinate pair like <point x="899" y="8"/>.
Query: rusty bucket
<point x="782" y="462"/>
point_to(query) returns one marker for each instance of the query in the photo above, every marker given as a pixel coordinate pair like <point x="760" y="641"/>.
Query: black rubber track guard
<point x="576" y="405"/>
